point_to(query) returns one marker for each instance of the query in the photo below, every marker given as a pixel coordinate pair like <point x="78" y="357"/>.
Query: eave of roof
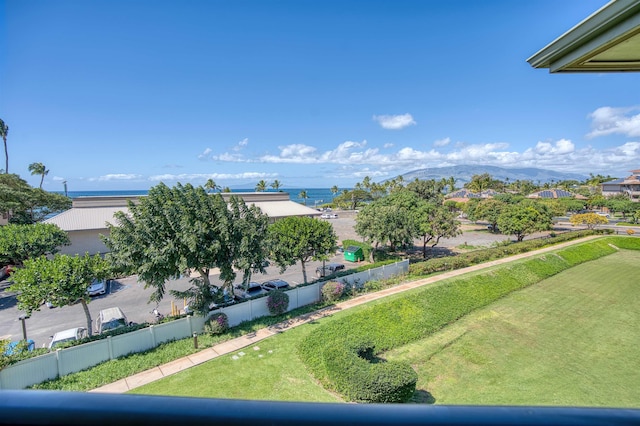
<point x="606" y="41"/>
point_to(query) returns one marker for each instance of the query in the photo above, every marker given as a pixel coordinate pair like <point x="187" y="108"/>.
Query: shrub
<point x="342" y="365"/>
<point x="332" y="291"/>
<point x="277" y="302"/>
<point x="217" y="323"/>
<point x="349" y="366"/>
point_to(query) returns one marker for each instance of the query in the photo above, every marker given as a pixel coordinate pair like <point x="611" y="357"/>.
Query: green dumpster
<point x="353" y="254"/>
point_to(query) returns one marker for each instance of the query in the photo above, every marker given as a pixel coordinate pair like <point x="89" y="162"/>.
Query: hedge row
<point x="485" y="255"/>
<point x="331" y="356"/>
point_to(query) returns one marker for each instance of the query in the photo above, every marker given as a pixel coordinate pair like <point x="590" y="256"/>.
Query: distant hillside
<point x="463" y="174"/>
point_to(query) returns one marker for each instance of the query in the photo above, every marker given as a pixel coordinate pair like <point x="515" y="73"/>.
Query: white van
<point x="110" y="319"/>
<point x="67" y="336"/>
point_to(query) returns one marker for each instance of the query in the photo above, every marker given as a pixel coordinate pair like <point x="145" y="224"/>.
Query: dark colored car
<point x="275" y="284"/>
<point x="253" y="289"/>
<point x="328" y="269"/>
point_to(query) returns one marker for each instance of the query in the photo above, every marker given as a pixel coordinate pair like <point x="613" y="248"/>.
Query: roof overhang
<point x="606" y="41"/>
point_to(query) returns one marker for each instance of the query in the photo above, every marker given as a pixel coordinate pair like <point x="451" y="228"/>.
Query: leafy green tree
<point x="571" y="205"/>
<point x="351" y="199"/>
<point x="303" y="194"/>
<point x="334" y="190"/>
<point x="276" y="185"/>
<point x="24" y="204"/>
<point x="522" y="220"/>
<point x="211" y="186"/>
<point x="390" y="219"/>
<point x="38" y="169"/>
<point x="434" y="222"/>
<point x="21" y="242"/>
<point x="489" y="209"/>
<point x="300" y="238"/>
<point x="4" y="132"/>
<point x="173" y="230"/>
<point x="590" y="220"/>
<point x="63" y="281"/>
<point x="479" y="183"/>
<point x="429" y="189"/>
<point x="261" y="186"/>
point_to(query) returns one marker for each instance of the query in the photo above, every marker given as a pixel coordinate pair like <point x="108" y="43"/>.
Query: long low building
<point x="87" y="219"/>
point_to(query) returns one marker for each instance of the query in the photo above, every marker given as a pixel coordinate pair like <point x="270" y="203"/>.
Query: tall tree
<point x="173" y="230"/>
<point x="4" y="131"/>
<point x="522" y="219"/>
<point x="211" y="186"/>
<point x="63" y="281"/>
<point x="21" y="242"/>
<point x="303" y="194"/>
<point x="334" y="190"/>
<point x="489" y="210"/>
<point x="300" y="238"/>
<point x="38" y="169"/>
<point x="261" y="186"/>
<point x="25" y="204"/>
<point x="276" y="185"/>
<point x="434" y="222"/>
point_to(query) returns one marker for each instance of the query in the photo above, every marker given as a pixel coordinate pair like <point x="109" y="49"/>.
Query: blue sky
<point x="125" y="94"/>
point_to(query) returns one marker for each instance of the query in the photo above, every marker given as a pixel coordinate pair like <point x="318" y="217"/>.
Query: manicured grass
<point x="570" y="340"/>
<point x="269" y="370"/>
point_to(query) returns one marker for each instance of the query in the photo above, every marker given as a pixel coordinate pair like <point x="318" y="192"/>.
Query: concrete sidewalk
<point x="233" y="345"/>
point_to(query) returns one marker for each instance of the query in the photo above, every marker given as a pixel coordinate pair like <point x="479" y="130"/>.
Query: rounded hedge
<point x="277" y="302"/>
<point x="332" y="291"/>
<point x="217" y="323"/>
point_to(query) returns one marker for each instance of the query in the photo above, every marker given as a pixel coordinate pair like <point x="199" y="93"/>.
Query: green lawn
<point x="570" y="340"/>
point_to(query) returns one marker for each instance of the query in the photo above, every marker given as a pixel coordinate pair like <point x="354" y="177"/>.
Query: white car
<point x="97" y="287"/>
<point x="329" y="216"/>
<point x="67" y="336"/>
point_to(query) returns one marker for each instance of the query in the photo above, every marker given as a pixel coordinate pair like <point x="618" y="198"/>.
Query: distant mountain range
<point x="464" y="173"/>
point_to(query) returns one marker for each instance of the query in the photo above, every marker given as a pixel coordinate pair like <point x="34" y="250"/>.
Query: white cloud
<point x="205" y="154"/>
<point x="610" y="120"/>
<point x="204" y="176"/>
<point x="387" y="145"/>
<point x="394" y="122"/>
<point x="442" y="142"/>
<point x="116" y="176"/>
<point x="244" y="142"/>
<point x="561" y="147"/>
<point x="58" y="179"/>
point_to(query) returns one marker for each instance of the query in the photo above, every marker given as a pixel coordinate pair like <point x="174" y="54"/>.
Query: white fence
<point x="76" y="358"/>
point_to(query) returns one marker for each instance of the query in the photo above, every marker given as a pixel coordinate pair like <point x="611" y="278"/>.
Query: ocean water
<point x="315" y="196"/>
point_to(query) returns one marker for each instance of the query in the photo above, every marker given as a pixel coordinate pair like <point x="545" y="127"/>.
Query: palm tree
<point x="304" y="196"/>
<point x="211" y="186"/>
<point x="452" y="184"/>
<point x="226" y="189"/>
<point x="39" y="169"/>
<point x="334" y="190"/>
<point x="276" y="184"/>
<point x="4" y="131"/>
<point x="261" y="186"/>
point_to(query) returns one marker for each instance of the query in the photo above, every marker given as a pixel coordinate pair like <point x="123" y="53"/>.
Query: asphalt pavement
<point x="132" y="297"/>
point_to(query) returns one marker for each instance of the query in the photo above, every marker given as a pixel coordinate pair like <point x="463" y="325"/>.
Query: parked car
<point x="253" y="289"/>
<point x="69" y="335"/>
<point x="329" y="216"/>
<point x="328" y="269"/>
<point x="110" y="319"/>
<point x="603" y="214"/>
<point x="275" y="284"/>
<point x="14" y="348"/>
<point x="97" y="287"/>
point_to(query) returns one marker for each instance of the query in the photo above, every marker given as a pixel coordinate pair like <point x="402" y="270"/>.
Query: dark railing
<point x="58" y="408"/>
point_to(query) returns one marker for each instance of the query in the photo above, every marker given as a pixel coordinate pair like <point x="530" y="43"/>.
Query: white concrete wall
<point x="70" y="360"/>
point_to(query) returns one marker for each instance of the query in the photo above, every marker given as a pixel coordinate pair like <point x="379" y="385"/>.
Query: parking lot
<point x="130" y="295"/>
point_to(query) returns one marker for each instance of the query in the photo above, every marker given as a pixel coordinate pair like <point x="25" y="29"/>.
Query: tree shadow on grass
<point x="422" y="397"/>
